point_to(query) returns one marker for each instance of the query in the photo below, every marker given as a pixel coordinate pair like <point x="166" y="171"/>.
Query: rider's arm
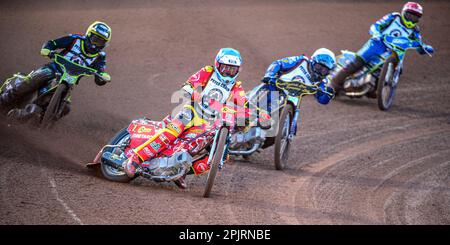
<point x="238" y="101"/>
<point x="239" y="98"/>
<point x="416" y="36"/>
<point x="199" y="79"/>
<point x="378" y="27"/>
<point x="100" y="65"/>
<point x="325" y="92"/>
<point x="238" y="95"/>
<point x="59" y="43"/>
<point x="282" y="65"/>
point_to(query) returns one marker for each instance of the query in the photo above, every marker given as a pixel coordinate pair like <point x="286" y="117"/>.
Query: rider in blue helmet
<point x="310" y="71"/>
<point x="216" y="83"/>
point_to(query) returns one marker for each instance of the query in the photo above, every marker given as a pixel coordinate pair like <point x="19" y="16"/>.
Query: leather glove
<point x="105" y="76"/>
<point x="46" y="52"/>
<point x="269" y="80"/>
<point x="427" y="48"/>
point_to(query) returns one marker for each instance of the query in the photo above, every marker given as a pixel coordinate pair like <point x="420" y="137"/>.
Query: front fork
<point x="293" y="128"/>
<point x="397" y="72"/>
<point x="225" y="150"/>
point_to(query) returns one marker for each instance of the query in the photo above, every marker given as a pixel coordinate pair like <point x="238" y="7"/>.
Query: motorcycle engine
<point x="244" y="139"/>
<point x="359" y="85"/>
<point x="168" y="168"/>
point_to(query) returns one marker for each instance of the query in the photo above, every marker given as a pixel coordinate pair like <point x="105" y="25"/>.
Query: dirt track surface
<point x="350" y="164"/>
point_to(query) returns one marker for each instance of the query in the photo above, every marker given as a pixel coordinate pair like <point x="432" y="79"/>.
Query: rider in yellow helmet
<point x="86" y="50"/>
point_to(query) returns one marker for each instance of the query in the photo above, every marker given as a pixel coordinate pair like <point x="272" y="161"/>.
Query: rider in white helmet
<point x="310" y="71"/>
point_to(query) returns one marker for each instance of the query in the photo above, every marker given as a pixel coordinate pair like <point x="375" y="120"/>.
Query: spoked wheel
<point x="109" y="172"/>
<point x="53" y="107"/>
<point x="386" y="85"/>
<point x="216" y="159"/>
<point x="282" y="141"/>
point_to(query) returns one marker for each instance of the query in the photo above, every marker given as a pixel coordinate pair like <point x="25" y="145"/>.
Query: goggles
<point x="228" y="70"/>
<point x="410" y="16"/>
<point x="97" y="40"/>
<point x="321" y="69"/>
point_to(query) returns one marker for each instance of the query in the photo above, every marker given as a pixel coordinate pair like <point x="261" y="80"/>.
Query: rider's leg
<point x="21" y="87"/>
<point x="161" y="140"/>
<point x="338" y="79"/>
<point x="370" y="49"/>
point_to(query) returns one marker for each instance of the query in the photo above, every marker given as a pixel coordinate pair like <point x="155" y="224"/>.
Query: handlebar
<point x="402" y="41"/>
<point x="68" y="64"/>
<point x="300" y="88"/>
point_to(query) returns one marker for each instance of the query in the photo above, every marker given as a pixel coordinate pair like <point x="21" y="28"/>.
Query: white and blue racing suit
<point x="297" y="67"/>
<point x="391" y="25"/>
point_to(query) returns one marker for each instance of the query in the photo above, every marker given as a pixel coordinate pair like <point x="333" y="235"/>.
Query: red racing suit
<point x="193" y="114"/>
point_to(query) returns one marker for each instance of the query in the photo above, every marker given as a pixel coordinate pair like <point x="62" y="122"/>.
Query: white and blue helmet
<point x="322" y="62"/>
<point x="227" y="64"/>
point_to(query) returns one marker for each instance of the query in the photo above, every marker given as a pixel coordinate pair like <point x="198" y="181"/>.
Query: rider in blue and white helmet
<point x="216" y="83"/>
<point x="322" y="62"/>
<point x="310" y="71"/>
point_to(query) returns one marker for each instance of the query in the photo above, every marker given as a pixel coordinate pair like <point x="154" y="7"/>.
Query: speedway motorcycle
<point x="285" y="107"/>
<point x="175" y="161"/>
<point x="52" y="99"/>
<point x="379" y="78"/>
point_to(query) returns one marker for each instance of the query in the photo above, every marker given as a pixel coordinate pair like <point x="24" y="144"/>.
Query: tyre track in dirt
<point x="332" y="185"/>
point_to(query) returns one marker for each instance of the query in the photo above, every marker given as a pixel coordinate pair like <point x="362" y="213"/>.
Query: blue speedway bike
<point x="379" y="78"/>
<point x="282" y="101"/>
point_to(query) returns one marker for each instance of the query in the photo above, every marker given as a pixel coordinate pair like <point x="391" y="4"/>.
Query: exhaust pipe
<point x="247" y="152"/>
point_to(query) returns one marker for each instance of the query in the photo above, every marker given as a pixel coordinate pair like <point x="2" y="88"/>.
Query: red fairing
<point x="140" y="131"/>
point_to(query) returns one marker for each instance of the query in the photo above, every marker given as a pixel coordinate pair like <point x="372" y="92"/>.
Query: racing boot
<point x="23" y="115"/>
<point x="131" y="166"/>
<point x="337" y="81"/>
<point x="180" y="182"/>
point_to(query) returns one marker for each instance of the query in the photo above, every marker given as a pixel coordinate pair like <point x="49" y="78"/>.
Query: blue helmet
<point x="322" y="62"/>
<point x="227" y="64"/>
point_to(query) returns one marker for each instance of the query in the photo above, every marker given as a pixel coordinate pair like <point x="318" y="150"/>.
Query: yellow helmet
<point x="98" y="35"/>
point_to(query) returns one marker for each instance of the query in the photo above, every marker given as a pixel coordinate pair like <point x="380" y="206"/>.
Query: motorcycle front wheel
<point x="282" y="141"/>
<point x="386" y="88"/>
<point x="53" y="107"/>
<point x="216" y="159"/>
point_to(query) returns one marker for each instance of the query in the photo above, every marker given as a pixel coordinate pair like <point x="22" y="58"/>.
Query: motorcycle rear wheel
<point x="216" y="159"/>
<point x="109" y="172"/>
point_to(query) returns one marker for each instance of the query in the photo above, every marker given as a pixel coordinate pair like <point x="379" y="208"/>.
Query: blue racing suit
<point x="297" y="67"/>
<point x="392" y="25"/>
